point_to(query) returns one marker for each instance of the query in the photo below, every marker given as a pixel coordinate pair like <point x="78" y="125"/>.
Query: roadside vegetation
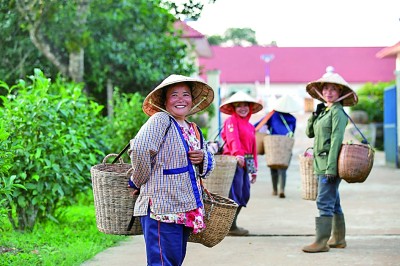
<point x="71" y="240"/>
<point x="73" y="76"/>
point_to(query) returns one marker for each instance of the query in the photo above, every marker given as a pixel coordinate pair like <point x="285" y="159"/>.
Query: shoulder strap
<point x="286" y="125"/>
<point x="127" y="145"/>
<point x="264" y="120"/>
<point x="198" y="133"/>
<point x="364" y="141"/>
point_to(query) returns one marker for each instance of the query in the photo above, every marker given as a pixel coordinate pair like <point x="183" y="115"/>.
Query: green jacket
<point x="328" y="130"/>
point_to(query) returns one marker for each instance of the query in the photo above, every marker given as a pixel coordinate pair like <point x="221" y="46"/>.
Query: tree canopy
<point x="132" y="43"/>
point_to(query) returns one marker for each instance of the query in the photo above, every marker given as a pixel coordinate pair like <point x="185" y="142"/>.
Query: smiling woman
<point x="240" y="142"/>
<point x="169" y="156"/>
<point x="179" y="102"/>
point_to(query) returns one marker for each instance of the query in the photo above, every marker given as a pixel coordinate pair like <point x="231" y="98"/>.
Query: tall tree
<point x="130" y="42"/>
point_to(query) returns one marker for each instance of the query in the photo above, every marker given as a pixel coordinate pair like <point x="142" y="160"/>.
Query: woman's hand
<point x="253" y="178"/>
<point x="196" y="156"/>
<point x="330" y="178"/>
<point x="240" y="160"/>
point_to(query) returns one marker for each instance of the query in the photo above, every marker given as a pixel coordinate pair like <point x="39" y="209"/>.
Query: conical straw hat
<point x="286" y="104"/>
<point x="202" y="94"/>
<point x="239" y="97"/>
<point x="334" y="78"/>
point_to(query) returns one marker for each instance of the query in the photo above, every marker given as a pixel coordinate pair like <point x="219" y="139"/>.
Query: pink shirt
<point x="239" y="136"/>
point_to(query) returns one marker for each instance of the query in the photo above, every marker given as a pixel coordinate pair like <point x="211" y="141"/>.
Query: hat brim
<point x="287" y="104"/>
<point x="202" y="95"/>
<point x="314" y="89"/>
<point x="228" y="108"/>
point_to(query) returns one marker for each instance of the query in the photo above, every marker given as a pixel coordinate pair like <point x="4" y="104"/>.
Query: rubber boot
<point x="235" y="230"/>
<point x="323" y="227"/>
<point x="338" y="232"/>
<point x="274" y="178"/>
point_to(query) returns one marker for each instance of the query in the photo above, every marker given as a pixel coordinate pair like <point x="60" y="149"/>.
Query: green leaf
<point x="22" y="201"/>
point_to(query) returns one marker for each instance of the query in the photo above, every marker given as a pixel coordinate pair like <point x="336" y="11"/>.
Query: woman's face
<point x="331" y="93"/>
<point x="242" y="108"/>
<point x="178" y="100"/>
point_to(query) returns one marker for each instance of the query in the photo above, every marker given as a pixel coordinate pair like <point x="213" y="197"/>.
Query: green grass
<point x="71" y="242"/>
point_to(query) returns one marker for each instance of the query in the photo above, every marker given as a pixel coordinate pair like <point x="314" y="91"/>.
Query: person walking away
<point x="169" y="156"/>
<point x="327" y="126"/>
<point x="281" y="122"/>
<point x="240" y="141"/>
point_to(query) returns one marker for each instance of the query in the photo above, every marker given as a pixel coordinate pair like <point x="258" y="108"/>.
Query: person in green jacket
<point x="327" y="126"/>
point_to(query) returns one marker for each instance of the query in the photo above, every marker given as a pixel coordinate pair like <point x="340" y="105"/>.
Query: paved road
<point x="280" y="227"/>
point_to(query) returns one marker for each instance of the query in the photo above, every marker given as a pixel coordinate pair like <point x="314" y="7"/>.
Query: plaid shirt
<point x="162" y="169"/>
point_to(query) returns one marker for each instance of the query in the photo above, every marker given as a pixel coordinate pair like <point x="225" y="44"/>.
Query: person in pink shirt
<point x="240" y="141"/>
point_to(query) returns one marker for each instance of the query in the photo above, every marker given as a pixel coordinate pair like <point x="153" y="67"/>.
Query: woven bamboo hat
<point x="202" y="94"/>
<point x="348" y="96"/>
<point x="239" y="97"/>
<point x="286" y="104"/>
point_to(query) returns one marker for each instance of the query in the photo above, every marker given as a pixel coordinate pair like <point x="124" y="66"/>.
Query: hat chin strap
<point x="344" y="96"/>
<point x="202" y="100"/>
<point x="338" y="99"/>
<point x="162" y="109"/>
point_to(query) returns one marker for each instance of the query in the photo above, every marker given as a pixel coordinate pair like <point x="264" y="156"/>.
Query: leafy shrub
<point x="127" y="119"/>
<point x="370" y="100"/>
<point x="7" y="185"/>
<point x="57" y="134"/>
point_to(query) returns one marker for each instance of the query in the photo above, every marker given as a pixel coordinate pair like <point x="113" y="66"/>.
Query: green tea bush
<point x="127" y="119"/>
<point x="7" y="185"/>
<point x="56" y="134"/>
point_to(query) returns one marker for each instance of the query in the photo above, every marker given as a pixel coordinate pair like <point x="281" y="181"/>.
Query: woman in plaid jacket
<point x="169" y="156"/>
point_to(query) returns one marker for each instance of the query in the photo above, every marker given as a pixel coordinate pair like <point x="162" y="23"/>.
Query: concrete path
<point x="279" y="228"/>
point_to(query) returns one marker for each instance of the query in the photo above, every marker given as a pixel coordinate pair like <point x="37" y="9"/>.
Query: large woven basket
<point x="260" y="142"/>
<point x="278" y="151"/>
<point x="309" y="183"/>
<point x="219" y="214"/>
<point x="355" y="162"/>
<point x="113" y="198"/>
<point x="220" y="180"/>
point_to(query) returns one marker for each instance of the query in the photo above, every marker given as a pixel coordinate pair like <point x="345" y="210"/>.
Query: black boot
<point x="282" y="182"/>
<point x="235" y="230"/>
<point x="274" y="178"/>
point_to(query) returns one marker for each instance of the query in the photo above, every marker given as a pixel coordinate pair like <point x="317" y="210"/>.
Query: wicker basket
<point x="355" y="162"/>
<point x="260" y="142"/>
<point x="219" y="214"/>
<point x="278" y="151"/>
<point x="309" y="183"/>
<point x="220" y="180"/>
<point x="113" y="199"/>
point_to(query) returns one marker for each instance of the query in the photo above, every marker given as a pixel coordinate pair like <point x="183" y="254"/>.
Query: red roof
<point x="298" y="64"/>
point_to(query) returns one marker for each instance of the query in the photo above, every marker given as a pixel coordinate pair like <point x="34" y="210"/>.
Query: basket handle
<point x="309" y="148"/>
<point x="111" y="155"/>
<point x="122" y="152"/>
<point x="206" y="190"/>
<point x="210" y="197"/>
